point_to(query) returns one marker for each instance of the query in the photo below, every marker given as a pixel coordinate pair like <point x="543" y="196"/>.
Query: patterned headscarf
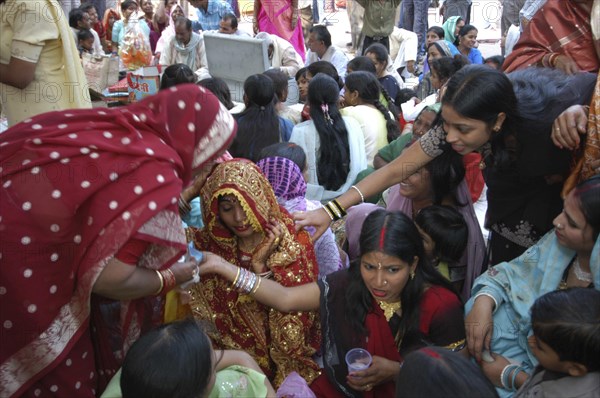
<point x="285" y="177"/>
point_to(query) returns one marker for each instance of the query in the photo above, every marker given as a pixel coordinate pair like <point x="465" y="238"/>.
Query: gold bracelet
<point x="257" y="286"/>
<point x="328" y="212"/>
<point x="162" y="282"/>
<point x="236" y="276"/>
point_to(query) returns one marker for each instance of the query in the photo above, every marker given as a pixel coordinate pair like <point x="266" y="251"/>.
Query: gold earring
<point x="412" y="275"/>
<point x="496" y="129"/>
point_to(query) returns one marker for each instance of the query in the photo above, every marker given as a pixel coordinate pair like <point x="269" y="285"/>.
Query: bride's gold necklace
<point x="389" y="309"/>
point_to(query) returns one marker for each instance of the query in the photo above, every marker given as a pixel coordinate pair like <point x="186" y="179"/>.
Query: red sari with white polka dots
<point x="76" y="186"/>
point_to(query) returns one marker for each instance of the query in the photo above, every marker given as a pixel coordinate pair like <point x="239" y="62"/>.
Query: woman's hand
<point x="185" y="271"/>
<point x="493" y="370"/>
<point x="568" y="126"/>
<point x="566" y="64"/>
<point x="274" y="233"/>
<point x="479" y="326"/>
<point x="381" y="371"/>
<point x="212" y="264"/>
<point x="317" y="218"/>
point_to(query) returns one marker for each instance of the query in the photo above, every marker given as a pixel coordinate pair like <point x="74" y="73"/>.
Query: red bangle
<point x="169" y="279"/>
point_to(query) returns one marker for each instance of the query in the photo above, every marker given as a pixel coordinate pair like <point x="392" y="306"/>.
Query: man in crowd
<point x="378" y="21"/>
<point x="186" y="47"/>
<point x="78" y="20"/>
<point x="210" y="13"/>
<point x="229" y="26"/>
<point x="321" y="49"/>
<point x="282" y="54"/>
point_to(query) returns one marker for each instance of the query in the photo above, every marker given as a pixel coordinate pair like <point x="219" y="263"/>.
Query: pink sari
<point x="275" y="17"/>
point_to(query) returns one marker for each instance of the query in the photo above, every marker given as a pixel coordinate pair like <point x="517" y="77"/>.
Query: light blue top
<point x="515" y="285"/>
<point x="209" y="19"/>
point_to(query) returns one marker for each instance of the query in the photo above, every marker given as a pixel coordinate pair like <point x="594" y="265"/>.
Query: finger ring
<point x="276" y="240"/>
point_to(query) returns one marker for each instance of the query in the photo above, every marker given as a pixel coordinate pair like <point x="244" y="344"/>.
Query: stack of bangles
<point x="184" y="206"/>
<point x="549" y="60"/>
<point x="510" y="372"/>
<point x="335" y="210"/>
<point x="248" y="282"/>
<point x="167" y="281"/>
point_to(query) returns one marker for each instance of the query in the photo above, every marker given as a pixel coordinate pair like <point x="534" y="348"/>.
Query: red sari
<point x="559" y="27"/>
<point x="77" y="186"/>
<point x="279" y="342"/>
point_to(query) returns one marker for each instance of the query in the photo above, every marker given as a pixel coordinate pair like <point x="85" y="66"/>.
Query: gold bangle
<point x="236" y="277"/>
<point x="257" y="286"/>
<point x="162" y="282"/>
<point x="328" y="212"/>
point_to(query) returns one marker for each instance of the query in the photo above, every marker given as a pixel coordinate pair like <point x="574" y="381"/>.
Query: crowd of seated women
<point x="223" y="252"/>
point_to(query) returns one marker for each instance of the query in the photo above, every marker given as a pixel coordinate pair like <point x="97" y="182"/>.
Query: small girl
<point x="566" y="342"/>
<point x="445" y="235"/>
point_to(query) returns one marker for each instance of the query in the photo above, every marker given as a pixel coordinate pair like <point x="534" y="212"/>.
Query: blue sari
<point x="515" y="285"/>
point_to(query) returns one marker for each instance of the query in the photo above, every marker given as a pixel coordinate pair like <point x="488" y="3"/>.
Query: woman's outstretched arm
<point x="283" y="299"/>
<point x="411" y="159"/>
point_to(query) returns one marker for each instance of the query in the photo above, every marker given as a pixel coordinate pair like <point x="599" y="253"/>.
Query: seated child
<point x="177" y="360"/>
<point x="85" y="42"/>
<point x="445" y="235"/>
<point x="566" y="342"/>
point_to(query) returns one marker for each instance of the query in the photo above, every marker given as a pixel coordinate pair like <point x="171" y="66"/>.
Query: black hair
<point x="448" y="230"/>
<point x="463" y="32"/>
<point x="128" y="3"/>
<point x="322" y="34"/>
<point x="85" y="7"/>
<point x="405" y="94"/>
<point x="380" y="52"/>
<point x="258" y="124"/>
<point x="382" y="56"/>
<point x="176" y="74"/>
<point x="497" y="60"/>
<point x="569" y="322"/>
<point x="446" y="172"/>
<point x="280" y="83"/>
<point x="361" y="63"/>
<point x="84" y="34"/>
<point x="446" y="67"/>
<point x="588" y="194"/>
<point x="232" y="18"/>
<point x="402" y="240"/>
<point x="481" y="93"/>
<point x="184" y="20"/>
<point x="436" y="372"/>
<point x="438" y="30"/>
<point x="287" y="150"/>
<point x="219" y="88"/>
<point x="369" y="89"/>
<point x="326" y="68"/>
<point x="333" y="163"/>
<point x="75" y="15"/>
<point x="172" y="361"/>
<point x="301" y="72"/>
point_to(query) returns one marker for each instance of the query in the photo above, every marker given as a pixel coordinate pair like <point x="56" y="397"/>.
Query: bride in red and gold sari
<point x="245" y="225"/>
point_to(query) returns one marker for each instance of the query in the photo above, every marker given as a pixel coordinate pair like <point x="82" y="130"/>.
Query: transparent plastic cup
<point x="358" y="359"/>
